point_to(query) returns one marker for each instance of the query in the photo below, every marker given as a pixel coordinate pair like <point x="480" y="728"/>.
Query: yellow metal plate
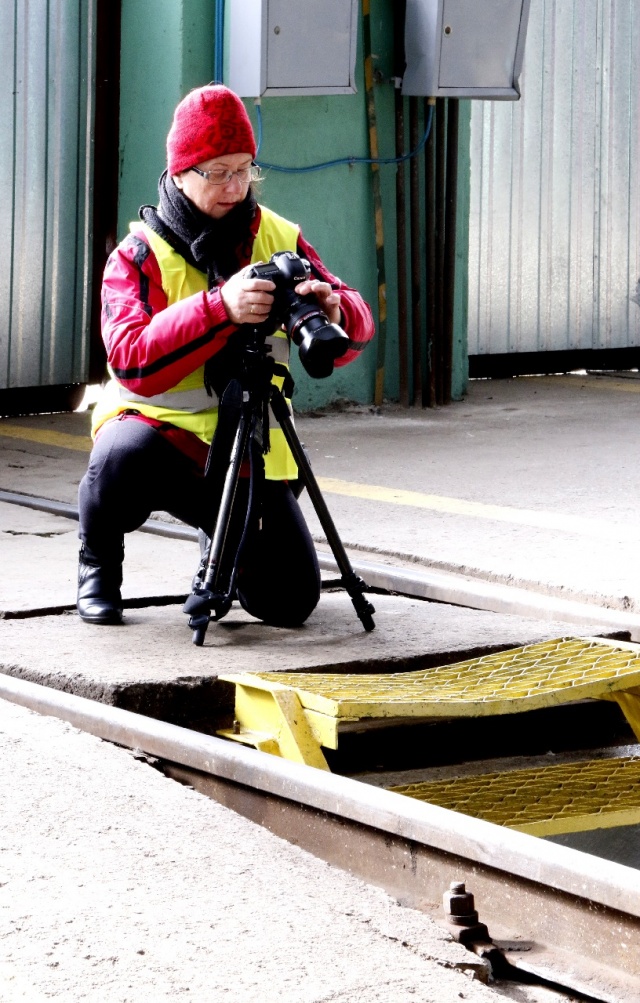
<point x="545" y="801"/>
<point x="527" y="678"/>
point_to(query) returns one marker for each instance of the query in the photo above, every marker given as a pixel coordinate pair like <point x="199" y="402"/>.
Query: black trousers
<point x="134" y="471"/>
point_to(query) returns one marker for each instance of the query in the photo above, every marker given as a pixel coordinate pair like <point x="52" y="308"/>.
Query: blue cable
<point x="344" y="160"/>
<point x="218" y="50"/>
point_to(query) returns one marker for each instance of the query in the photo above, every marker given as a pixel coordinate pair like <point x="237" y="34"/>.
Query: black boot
<point x="99" y="581"/>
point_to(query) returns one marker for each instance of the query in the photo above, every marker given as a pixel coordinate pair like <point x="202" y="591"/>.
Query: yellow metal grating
<point x="295" y="714"/>
<point x="545" y="801"/>
<point x="534" y="676"/>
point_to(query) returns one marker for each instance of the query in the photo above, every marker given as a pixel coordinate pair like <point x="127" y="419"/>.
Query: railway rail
<point x="558" y="914"/>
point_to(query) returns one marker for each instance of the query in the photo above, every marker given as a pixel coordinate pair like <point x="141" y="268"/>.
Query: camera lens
<point x="319" y="342"/>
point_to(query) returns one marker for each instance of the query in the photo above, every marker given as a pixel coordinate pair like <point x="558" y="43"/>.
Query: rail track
<point x="562" y="916"/>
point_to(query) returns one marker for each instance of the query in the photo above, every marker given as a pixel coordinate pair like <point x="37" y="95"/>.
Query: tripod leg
<point x="351" y="582"/>
<point x="207" y="596"/>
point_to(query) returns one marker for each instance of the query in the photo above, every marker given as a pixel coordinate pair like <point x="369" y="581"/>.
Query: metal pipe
<point x="399" y="14"/>
<point x="449" y="262"/>
<point x="440" y="237"/>
<point x="427" y="583"/>
<point x="401" y="234"/>
<point x="66" y="511"/>
<point x="218" y="50"/>
<point x="431" y="278"/>
<point x="378" y="393"/>
<point x="416" y="279"/>
<point x="106" y="33"/>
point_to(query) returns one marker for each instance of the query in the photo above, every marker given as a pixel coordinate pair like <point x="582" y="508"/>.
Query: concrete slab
<point x="150" y="665"/>
<point x="40" y="561"/>
<point x="120" y="885"/>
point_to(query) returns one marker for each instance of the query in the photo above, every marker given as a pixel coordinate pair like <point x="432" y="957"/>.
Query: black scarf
<point x="218" y="247"/>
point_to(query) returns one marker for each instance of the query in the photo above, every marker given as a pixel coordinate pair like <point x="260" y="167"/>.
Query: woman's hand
<point x="247" y="301"/>
<point x="328" y="299"/>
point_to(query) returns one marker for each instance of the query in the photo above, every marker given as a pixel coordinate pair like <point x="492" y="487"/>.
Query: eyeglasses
<point x="222" y="176"/>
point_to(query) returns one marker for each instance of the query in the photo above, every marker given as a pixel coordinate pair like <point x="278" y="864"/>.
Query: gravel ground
<point x="119" y="885"/>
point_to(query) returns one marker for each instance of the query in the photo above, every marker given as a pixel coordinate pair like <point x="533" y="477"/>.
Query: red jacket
<point x="151" y="346"/>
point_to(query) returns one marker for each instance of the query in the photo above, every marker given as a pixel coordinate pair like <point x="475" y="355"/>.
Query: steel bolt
<point x="459" y="905"/>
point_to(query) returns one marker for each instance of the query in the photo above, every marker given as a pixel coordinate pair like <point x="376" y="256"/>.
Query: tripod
<point x="245" y="403"/>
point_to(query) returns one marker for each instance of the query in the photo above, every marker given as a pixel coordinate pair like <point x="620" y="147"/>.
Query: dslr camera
<point x="319" y="342"/>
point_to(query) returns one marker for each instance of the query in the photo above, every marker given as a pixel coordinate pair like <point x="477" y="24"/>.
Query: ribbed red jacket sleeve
<point x="358" y="319"/>
<point x="151" y="346"/>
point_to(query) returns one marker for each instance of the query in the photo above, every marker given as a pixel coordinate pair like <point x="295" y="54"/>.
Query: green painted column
<point x="167" y="48"/>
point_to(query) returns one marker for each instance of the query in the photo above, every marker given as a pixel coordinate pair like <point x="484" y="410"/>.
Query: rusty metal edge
<point x="542" y="932"/>
<point x="592" y="879"/>
<point x="582" y="905"/>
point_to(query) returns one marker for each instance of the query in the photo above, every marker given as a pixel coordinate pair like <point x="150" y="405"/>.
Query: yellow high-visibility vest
<point x="188" y="405"/>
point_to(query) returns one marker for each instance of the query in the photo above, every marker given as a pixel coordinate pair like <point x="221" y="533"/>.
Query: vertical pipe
<point x="399" y="14"/>
<point x="449" y="274"/>
<point x="378" y="395"/>
<point x="416" y="283"/>
<point x="218" y="51"/>
<point x="401" y="231"/>
<point x="431" y="278"/>
<point x="437" y="351"/>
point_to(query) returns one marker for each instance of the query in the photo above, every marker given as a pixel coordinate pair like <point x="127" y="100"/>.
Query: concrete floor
<point x="530" y="481"/>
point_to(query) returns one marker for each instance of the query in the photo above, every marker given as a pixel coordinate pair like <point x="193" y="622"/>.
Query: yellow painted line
<point x="378" y="493"/>
<point x="629" y="386"/>
<point x="471" y="509"/>
<point x="624" y="386"/>
<point x="47" y="437"/>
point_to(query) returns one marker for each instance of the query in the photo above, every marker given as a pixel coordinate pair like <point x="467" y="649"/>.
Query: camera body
<point x="319" y="342"/>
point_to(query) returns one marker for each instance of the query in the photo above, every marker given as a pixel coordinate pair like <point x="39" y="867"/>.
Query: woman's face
<point x="216" y="200"/>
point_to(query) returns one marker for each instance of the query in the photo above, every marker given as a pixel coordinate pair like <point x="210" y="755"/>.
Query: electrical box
<point x="277" y="47"/>
<point x="465" y="48"/>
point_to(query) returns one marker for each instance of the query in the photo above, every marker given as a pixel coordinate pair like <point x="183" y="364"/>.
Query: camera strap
<point x="288" y="385"/>
<point x="229" y="410"/>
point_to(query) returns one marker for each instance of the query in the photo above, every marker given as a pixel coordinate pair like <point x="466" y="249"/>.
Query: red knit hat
<point x="209" y="122"/>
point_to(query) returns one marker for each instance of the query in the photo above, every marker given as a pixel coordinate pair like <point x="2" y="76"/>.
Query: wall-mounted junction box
<point x="465" y="48"/>
<point x="280" y="47"/>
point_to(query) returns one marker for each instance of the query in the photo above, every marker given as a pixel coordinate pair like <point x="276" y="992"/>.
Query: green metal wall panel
<point x="46" y="87"/>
